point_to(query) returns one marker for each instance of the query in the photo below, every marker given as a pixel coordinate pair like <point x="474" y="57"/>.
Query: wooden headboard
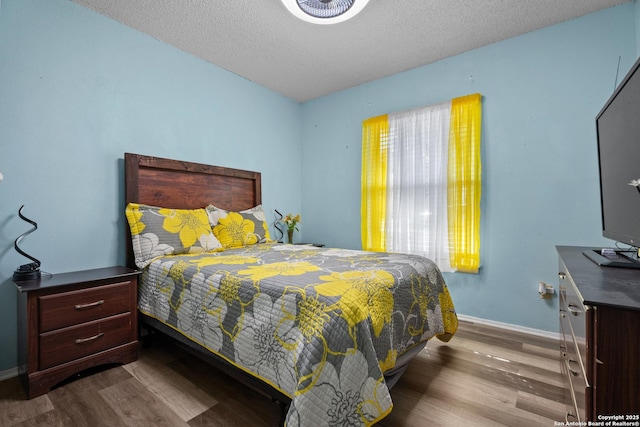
<point x="184" y="185"/>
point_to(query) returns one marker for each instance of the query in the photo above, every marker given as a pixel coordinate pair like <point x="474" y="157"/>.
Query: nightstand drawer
<point x="75" y="307"/>
<point x="74" y="342"/>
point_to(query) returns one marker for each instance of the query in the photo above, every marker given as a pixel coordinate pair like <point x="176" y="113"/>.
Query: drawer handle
<point x="89" y="305"/>
<point x="574" y="372"/>
<point x="574" y="309"/>
<point x="93" y="338"/>
<point x="562" y="275"/>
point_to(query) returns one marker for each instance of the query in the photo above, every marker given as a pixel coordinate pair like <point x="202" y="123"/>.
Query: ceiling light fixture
<point x="325" y="11"/>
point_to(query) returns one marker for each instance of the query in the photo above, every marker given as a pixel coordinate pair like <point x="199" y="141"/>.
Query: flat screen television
<point x="618" y="137"/>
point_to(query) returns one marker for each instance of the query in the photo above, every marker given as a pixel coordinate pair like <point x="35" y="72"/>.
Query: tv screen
<point x="618" y="132"/>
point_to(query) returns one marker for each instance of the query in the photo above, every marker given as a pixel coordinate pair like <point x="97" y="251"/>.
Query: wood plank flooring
<point x="484" y="376"/>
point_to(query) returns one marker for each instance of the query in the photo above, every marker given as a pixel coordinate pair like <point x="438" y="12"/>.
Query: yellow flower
<point x="449" y="317"/>
<point x="233" y="229"/>
<point x="133" y="216"/>
<point x="176" y="274"/>
<point x="312" y="316"/>
<point x="265" y="227"/>
<point x="229" y="289"/>
<point x="390" y="361"/>
<point x="292" y="221"/>
<point x="279" y="269"/>
<point x="188" y="224"/>
<point x="225" y="296"/>
<point x="364" y="294"/>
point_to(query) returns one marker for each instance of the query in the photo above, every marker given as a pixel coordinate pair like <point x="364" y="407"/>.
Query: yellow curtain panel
<point x="464" y="186"/>
<point x="375" y="134"/>
<point x="464" y="183"/>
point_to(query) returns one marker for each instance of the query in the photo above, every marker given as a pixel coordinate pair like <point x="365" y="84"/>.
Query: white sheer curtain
<point x="417" y="183"/>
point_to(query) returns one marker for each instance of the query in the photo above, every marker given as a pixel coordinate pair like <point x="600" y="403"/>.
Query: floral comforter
<point x="320" y="325"/>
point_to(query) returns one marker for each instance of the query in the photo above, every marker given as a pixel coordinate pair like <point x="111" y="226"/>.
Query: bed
<point x="325" y="332"/>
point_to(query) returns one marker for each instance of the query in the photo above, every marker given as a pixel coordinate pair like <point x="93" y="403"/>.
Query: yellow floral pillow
<point x="236" y="229"/>
<point x="158" y="231"/>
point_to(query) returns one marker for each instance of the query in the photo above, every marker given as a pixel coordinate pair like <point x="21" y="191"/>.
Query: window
<point x="421" y="183"/>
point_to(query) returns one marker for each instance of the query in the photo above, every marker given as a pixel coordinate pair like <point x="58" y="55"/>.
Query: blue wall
<point x="637" y="10"/>
<point x="77" y="90"/>
<point x="541" y="93"/>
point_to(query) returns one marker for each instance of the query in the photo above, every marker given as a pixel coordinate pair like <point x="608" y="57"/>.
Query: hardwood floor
<point x="483" y="377"/>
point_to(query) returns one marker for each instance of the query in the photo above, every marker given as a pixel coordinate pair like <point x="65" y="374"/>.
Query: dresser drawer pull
<point x="93" y="338"/>
<point x="573" y="372"/>
<point x="569" y="418"/>
<point x="574" y="309"/>
<point x="89" y="305"/>
<point x="562" y="275"/>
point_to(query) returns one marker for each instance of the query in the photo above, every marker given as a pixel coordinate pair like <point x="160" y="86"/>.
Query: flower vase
<point x="290" y="236"/>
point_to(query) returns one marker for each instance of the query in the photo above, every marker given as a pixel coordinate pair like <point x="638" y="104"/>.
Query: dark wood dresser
<point x="599" y="338"/>
<point x="73" y="321"/>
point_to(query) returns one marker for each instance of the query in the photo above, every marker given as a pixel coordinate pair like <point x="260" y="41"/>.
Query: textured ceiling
<point x="262" y="42"/>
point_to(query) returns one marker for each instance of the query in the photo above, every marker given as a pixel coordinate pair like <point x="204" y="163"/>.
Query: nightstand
<point x="73" y="321"/>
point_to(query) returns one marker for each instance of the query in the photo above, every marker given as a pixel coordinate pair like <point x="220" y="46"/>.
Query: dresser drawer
<point x="573" y="329"/>
<point x="575" y="345"/>
<point x="574" y="324"/>
<point x="75" y="307"/>
<point x="574" y="393"/>
<point x="74" y="342"/>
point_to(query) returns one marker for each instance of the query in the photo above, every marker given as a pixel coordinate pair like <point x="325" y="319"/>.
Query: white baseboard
<point x="9" y="373"/>
<point x="510" y="327"/>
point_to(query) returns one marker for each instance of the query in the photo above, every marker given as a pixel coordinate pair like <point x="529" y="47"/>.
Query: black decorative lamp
<point x="275" y="225"/>
<point x="26" y="271"/>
